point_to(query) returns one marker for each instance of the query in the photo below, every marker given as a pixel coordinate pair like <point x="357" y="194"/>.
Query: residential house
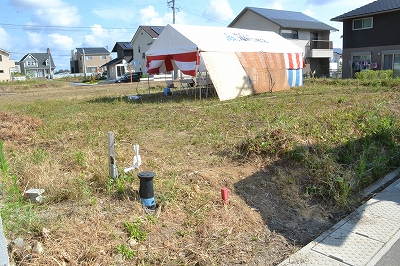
<point x="37" y="65"/>
<point x="306" y="32"/>
<point x="6" y="65"/>
<point x="370" y="40"/>
<point x="123" y="63"/>
<point x="335" y="65"/>
<point x="141" y="42"/>
<point x="88" y="60"/>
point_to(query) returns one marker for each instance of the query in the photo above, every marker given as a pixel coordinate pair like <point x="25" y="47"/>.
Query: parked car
<point x="127" y="77"/>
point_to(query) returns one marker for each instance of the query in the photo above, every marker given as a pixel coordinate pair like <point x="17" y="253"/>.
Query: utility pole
<point x="84" y="64"/>
<point x="48" y="52"/>
<point x="173" y="9"/>
<point x="175" y="73"/>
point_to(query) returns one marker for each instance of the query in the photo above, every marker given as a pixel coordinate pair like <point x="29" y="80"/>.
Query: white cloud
<point x="101" y="37"/>
<point x="35" y="39"/>
<point x="50" y="12"/>
<point x="308" y="12"/>
<point x="63" y="15"/>
<point x="5" y="39"/>
<point x="219" y="10"/>
<point x="277" y="5"/>
<point x="149" y="16"/>
<point x="60" y="42"/>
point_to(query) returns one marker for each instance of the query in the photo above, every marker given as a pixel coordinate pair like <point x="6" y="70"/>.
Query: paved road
<point x="3" y="247"/>
<point x="391" y="257"/>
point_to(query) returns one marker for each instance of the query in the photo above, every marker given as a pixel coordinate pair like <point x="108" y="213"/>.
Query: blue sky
<point x="32" y="26"/>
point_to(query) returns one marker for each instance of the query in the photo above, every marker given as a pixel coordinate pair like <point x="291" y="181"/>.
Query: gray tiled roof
<point x="124" y="46"/>
<point x="374" y="7"/>
<point x="41" y="58"/>
<point x="113" y="62"/>
<point x="337" y="50"/>
<point x="93" y="50"/>
<point x="287" y="19"/>
<point x="153" y="31"/>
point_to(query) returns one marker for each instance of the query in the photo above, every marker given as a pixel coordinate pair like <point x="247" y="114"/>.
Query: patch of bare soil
<point x="17" y="127"/>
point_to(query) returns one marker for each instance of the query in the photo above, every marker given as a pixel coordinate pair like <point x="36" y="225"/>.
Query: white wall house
<point x="141" y="42"/>
<point x="302" y="30"/>
<point x="6" y="65"/>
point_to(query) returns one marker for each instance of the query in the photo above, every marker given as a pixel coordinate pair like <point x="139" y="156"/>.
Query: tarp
<point x="183" y="47"/>
<point x="231" y="83"/>
<point x="295" y="77"/>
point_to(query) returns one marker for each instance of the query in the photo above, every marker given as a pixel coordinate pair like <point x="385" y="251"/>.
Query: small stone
<point x="119" y="258"/>
<point x="37" y="247"/>
<point x="45" y="232"/>
<point x="19" y="242"/>
<point x="132" y="243"/>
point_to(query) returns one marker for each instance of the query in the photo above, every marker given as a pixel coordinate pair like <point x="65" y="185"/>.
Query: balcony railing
<point x="321" y="44"/>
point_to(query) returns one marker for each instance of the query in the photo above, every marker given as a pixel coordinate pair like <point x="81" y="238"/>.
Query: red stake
<point x="224" y="195"/>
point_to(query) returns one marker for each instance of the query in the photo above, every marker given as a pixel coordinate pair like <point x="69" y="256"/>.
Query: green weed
<point x="4" y="166"/>
<point x="80" y="158"/>
<point x="125" y="251"/>
<point x="135" y="231"/>
<point x="19" y="215"/>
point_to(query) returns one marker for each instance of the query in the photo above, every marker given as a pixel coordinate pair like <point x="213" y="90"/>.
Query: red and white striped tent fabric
<point x="180" y="47"/>
<point x="227" y="54"/>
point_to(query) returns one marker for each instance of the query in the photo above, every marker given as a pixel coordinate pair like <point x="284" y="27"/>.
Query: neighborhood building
<point x="122" y="64"/>
<point x="141" y="42"/>
<point x="304" y="31"/>
<point x="88" y="60"/>
<point x="369" y="38"/>
<point x="6" y="65"/>
<point x="37" y="65"/>
<point x="336" y="63"/>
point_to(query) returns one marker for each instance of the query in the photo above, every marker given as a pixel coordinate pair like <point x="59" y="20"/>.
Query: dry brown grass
<point x="56" y="139"/>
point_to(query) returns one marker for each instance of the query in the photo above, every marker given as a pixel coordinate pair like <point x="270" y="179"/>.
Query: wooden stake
<point x="113" y="170"/>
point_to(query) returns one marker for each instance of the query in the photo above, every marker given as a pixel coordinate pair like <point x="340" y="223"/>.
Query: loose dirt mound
<point x="15" y="127"/>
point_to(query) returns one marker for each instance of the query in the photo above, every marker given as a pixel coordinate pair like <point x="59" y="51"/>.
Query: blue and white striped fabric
<point x="295" y="77"/>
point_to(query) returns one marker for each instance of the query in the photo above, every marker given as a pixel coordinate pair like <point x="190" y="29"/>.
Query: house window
<point x="88" y="57"/>
<point x="143" y="55"/>
<point x="91" y="69"/>
<point x="392" y="61"/>
<point x="120" y="70"/>
<point x="361" y="62"/>
<point x="1" y="58"/>
<point x="103" y="57"/>
<point x="138" y="49"/>
<point x="364" y="23"/>
<point x="1" y="71"/>
<point x="290" y="34"/>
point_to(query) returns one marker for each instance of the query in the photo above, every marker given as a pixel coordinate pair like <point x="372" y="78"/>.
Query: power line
<point x="38" y="27"/>
<point x="196" y="13"/>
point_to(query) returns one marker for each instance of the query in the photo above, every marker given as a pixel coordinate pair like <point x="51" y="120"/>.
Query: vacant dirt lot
<point x="268" y="216"/>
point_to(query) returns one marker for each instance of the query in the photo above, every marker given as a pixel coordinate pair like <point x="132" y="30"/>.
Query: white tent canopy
<point x="182" y="47"/>
<point x="178" y="39"/>
<point x="189" y="40"/>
